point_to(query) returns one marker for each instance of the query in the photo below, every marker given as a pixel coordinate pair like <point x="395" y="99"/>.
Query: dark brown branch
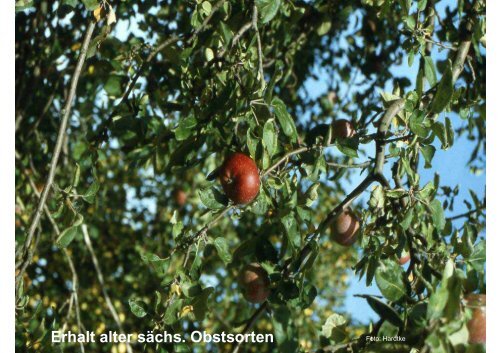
<point x="466" y="214"/>
<point x="253" y="319"/>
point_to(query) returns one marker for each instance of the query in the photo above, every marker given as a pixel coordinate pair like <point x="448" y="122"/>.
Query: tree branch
<point x="466" y="214"/>
<point x="74" y="280"/>
<point x="253" y="319"/>
<point x="255" y="17"/>
<point x="100" y="278"/>
<point x="284" y="158"/>
<point x="60" y="137"/>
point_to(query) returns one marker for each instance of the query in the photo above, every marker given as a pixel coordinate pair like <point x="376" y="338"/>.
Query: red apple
<point x="180" y="197"/>
<point x="343" y="129"/>
<point x="255" y="283"/>
<point x="477" y="323"/>
<point x="405" y="257"/>
<point x="240" y="178"/>
<point x="345" y="228"/>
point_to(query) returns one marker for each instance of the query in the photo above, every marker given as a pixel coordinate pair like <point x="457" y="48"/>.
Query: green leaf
<point x="417" y="124"/>
<point x="334" y="328"/>
<point x="71" y="3"/>
<point x="407" y="219"/>
<point x="184" y="129"/>
<point x="91" y="4"/>
<point x="200" y="306"/>
<point x="383" y="310"/>
<point x="437" y="214"/>
<point x="395" y="193"/>
<point x="440" y="131"/>
<point x="160" y="266"/>
<point x="269" y="138"/>
<point x="349" y="147"/>
<point x="137" y="307"/>
<point x="439" y="299"/>
<point x="76" y="176"/>
<point x="422" y="4"/>
<point x="428" y="152"/>
<point x="444" y="91"/>
<point x="252" y="143"/>
<point x="89" y="195"/>
<point x="284" y="118"/>
<point x="23" y="5"/>
<point x="324" y="27"/>
<point x="377" y="198"/>
<point x="450" y="133"/>
<point x="312" y="194"/>
<point x="430" y="71"/>
<point x="212" y="198"/>
<point x="173" y="308"/>
<point x="67" y="236"/>
<point x="292" y="229"/>
<point x="389" y="279"/>
<point x="113" y="86"/>
<point x="223" y="250"/>
<point x="410" y="22"/>
<point x="260" y="206"/>
<point x="478" y="257"/>
<point x="267" y="9"/>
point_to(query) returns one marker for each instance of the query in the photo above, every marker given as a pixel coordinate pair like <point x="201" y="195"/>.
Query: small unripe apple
<point x="255" y="283"/>
<point x="345" y="228"/>
<point x="477" y="323"/>
<point x="180" y="197"/>
<point x="240" y="178"/>
<point x="343" y="129"/>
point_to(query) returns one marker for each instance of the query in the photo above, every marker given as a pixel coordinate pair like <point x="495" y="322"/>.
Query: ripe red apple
<point x="477" y="323"/>
<point x="255" y="283"/>
<point x="240" y="178"/>
<point x="180" y="197"/>
<point x="343" y="129"/>
<point x="345" y="228"/>
<point x="405" y="257"/>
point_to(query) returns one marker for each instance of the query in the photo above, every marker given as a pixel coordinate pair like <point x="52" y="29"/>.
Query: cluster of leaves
<point x="167" y="90"/>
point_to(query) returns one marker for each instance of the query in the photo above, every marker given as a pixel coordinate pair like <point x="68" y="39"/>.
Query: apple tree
<point x="231" y="165"/>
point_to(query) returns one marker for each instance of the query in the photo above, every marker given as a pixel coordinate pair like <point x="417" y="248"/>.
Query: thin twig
<point x="253" y="319"/>
<point x="469" y="62"/>
<point x="342" y="165"/>
<point x="255" y="17"/>
<point x="284" y="158"/>
<point x="74" y="290"/>
<point x="240" y="33"/>
<point x="466" y="214"/>
<point x="439" y="44"/>
<point x="100" y="278"/>
<point x="61" y="135"/>
<point x="207" y="19"/>
<point x="74" y="280"/>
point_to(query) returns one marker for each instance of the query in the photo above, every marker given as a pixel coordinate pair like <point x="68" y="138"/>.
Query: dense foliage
<point x="124" y="108"/>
